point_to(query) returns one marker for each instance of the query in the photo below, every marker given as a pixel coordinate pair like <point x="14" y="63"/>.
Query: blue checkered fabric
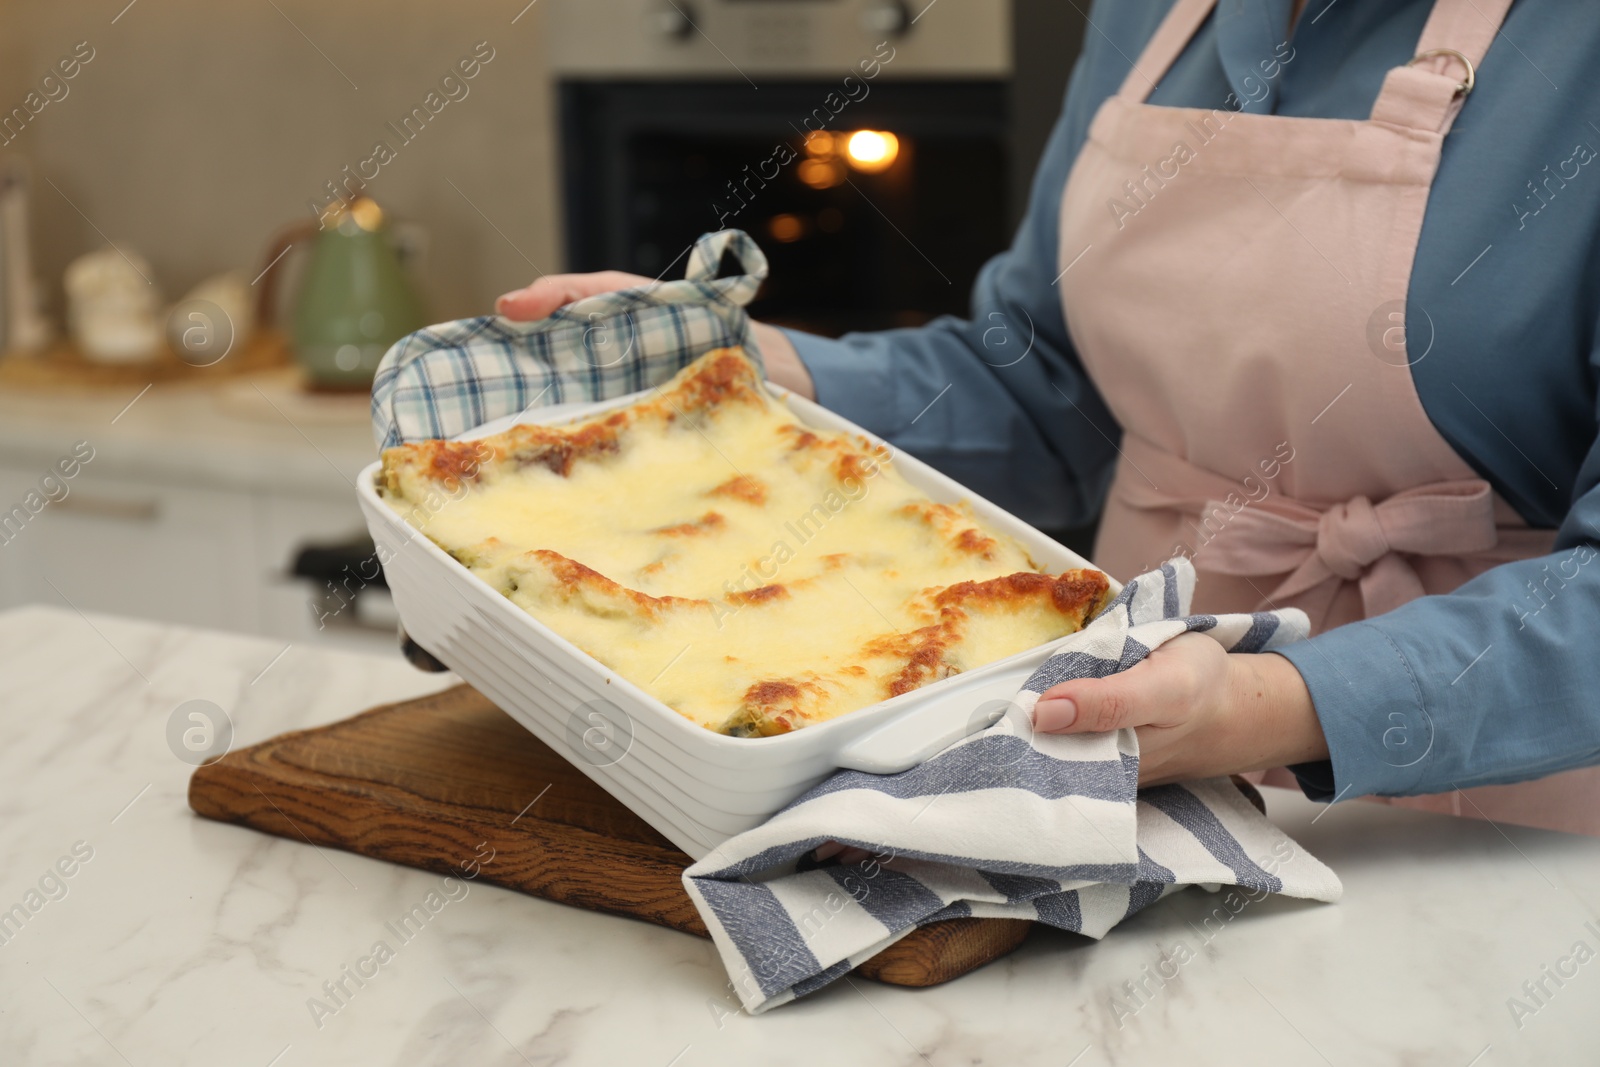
<point x="447" y="379"/>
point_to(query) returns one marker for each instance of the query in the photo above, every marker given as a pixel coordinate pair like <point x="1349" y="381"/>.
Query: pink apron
<point x="1235" y="285"/>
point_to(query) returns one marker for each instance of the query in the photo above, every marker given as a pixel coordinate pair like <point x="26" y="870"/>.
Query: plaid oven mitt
<point x="1005" y="823"/>
<point x="448" y="379"/>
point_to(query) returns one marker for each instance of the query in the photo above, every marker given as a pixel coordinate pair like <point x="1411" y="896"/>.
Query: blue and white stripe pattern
<point x="1005" y="823"/>
<point x="450" y="378"/>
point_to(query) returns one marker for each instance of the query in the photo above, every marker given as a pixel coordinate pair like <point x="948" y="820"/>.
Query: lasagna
<point x="755" y="574"/>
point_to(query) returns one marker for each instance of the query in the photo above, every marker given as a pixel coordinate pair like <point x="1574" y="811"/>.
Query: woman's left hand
<point x="1199" y="711"/>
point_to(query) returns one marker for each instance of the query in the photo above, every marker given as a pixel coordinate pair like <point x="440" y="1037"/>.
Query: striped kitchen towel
<point x="1005" y="823"/>
<point x="451" y="378"/>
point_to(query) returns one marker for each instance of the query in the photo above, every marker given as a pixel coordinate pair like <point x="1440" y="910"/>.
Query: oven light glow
<point x="872" y="150"/>
<point x="786" y="228"/>
<point x="821" y="173"/>
<point x="820" y="145"/>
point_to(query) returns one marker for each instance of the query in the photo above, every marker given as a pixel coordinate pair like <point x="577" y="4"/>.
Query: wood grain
<point x="435" y="782"/>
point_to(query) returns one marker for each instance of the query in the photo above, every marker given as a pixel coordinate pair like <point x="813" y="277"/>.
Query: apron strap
<point x="1163" y="49"/>
<point x="1427" y="93"/>
<point x="1423" y="95"/>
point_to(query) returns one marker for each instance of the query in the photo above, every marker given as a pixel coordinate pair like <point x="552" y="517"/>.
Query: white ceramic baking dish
<point x="695" y="786"/>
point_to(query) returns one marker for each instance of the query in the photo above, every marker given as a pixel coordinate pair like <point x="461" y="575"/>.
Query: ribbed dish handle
<point x="926" y="729"/>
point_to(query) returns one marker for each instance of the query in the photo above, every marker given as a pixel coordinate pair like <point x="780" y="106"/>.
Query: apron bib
<point x="1235" y="285"/>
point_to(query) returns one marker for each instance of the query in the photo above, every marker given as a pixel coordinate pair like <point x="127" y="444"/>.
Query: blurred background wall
<point x="199" y="129"/>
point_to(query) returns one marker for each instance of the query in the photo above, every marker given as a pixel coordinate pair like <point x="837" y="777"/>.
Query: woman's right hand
<point x="551" y="291"/>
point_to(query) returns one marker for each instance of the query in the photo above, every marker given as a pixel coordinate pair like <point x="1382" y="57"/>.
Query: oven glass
<point x="880" y="218"/>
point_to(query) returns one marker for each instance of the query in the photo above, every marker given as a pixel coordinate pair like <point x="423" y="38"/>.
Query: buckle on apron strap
<point x="1463" y="87"/>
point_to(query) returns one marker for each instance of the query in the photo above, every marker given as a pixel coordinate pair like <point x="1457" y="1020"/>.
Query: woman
<point x="1312" y="298"/>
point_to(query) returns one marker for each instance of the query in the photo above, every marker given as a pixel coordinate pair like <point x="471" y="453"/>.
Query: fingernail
<point x="1057" y="713"/>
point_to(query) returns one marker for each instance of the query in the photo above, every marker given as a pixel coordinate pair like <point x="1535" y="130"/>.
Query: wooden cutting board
<point x="435" y="782"/>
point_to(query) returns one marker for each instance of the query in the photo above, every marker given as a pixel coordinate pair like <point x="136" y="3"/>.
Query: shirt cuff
<point x="1380" y="736"/>
<point x="850" y="380"/>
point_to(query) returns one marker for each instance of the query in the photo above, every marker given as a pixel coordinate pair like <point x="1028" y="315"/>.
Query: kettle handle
<point x="273" y="268"/>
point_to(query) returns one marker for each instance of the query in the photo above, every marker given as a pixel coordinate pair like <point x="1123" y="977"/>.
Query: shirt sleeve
<point x="998" y="401"/>
<point x="1493" y="683"/>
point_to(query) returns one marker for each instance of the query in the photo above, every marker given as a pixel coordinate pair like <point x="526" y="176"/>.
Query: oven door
<point x="884" y="229"/>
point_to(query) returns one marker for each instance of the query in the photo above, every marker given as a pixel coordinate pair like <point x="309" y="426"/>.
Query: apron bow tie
<point x="1350" y="537"/>
<point x="1356" y="540"/>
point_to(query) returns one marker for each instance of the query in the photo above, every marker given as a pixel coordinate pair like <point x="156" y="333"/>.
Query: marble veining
<point x="188" y="942"/>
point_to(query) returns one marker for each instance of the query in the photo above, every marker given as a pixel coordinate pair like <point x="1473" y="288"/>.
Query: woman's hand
<point x="551" y="291"/>
<point x="1199" y="712"/>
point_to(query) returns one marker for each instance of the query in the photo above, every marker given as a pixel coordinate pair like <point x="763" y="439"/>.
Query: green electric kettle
<point x="355" y="299"/>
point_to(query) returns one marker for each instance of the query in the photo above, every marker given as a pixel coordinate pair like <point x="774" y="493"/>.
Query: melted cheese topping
<point x="752" y="573"/>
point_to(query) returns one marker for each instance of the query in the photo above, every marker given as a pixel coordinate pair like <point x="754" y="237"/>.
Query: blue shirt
<point x="1496" y="682"/>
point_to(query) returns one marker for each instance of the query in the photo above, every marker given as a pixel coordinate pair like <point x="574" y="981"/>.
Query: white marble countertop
<point x="182" y="941"/>
<point x="256" y="431"/>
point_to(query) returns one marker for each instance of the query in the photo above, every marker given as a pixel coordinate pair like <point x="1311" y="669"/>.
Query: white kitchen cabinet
<point x="133" y="548"/>
<point x="191" y="511"/>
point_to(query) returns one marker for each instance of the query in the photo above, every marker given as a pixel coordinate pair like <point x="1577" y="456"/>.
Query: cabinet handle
<point x="109" y="508"/>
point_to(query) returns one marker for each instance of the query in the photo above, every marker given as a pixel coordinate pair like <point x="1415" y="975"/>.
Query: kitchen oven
<point x="870" y="146"/>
